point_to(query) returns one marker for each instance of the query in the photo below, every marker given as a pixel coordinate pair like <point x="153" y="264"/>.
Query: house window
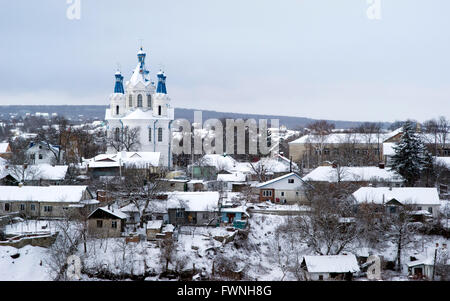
<point x="117" y="110"/>
<point x="179" y="213"/>
<point x="117" y="134"/>
<point x="282" y="193"/>
<point x="149" y="101"/>
<point x="65" y="208"/>
<point x="205" y="215"/>
<point x="160" y="134"/>
<point x="149" y="135"/>
<point x="139" y="101"/>
<point x="7" y="207"/>
<point x="290" y="181"/>
<point x="430" y="209"/>
<point x="130" y="101"/>
<point x="296" y="193"/>
<point x="267" y="193"/>
<point x="419" y="208"/>
<point x="114" y="224"/>
<point x="40" y="157"/>
<point x="33" y="156"/>
<point x="22" y="207"/>
<point x="159" y="110"/>
<point x="320" y="277"/>
<point x="99" y="223"/>
<point x="48" y="208"/>
<point x="33" y="207"/>
<point x="392" y="209"/>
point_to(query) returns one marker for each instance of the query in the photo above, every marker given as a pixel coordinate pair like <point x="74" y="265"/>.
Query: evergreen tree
<point x="410" y="155"/>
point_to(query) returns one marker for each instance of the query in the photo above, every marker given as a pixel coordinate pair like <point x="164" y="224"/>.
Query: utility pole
<point x="434" y="264"/>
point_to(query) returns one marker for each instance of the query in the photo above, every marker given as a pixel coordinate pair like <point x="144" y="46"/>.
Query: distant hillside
<point x="84" y="112"/>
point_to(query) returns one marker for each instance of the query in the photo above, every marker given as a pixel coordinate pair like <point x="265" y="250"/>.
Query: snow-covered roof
<point x="421" y="261"/>
<point x="332" y="264"/>
<point x="337" y="138"/>
<point x="388" y="149"/>
<point x="194" y="201"/>
<point x="70" y="194"/>
<point x="220" y="162"/>
<point x="352" y="174"/>
<point x="125" y="159"/>
<point x="278" y="179"/>
<point x="168" y="228"/>
<point x="404" y="195"/>
<point x="49" y="172"/>
<point x="154" y="224"/>
<point x="241" y="209"/>
<point x="443" y="160"/>
<point x="233" y="177"/>
<point x="274" y="165"/>
<point x="4" y="147"/>
<point x="116" y="213"/>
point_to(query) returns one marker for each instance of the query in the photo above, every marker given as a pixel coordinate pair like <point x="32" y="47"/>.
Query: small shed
<point x="420" y="269"/>
<point x="154" y="228"/>
<point x="331" y="267"/>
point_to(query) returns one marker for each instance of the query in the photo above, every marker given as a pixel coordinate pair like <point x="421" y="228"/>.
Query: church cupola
<point x="118" y="88"/>
<point x="161" y="83"/>
<point x="141" y="58"/>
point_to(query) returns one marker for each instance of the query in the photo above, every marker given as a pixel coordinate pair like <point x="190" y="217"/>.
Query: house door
<point x="231" y="217"/>
<point x="418" y="272"/>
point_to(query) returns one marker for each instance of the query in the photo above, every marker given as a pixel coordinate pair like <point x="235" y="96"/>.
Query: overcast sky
<point x="309" y="58"/>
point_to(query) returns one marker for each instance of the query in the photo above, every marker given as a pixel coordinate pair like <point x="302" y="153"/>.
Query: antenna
<point x="141" y="43"/>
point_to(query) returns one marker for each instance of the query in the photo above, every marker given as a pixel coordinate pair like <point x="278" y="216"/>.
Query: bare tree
<point x="402" y="229"/>
<point x="329" y="228"/>
<point x="168" y="252"/>
<point x="140" y="187"/>
<point x="126" y="138"/>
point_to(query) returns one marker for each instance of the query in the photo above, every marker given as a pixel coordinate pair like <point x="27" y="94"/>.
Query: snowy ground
<point x="261" y="256"/>
<point x="29" y="266"/>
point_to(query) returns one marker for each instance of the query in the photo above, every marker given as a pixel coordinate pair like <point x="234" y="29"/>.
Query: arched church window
<point x="139" y="101"/>
<point x="149" y="135"/>
<point x="149" y="101"/>
<point x="117" y="110"/>
<point x="160" y="134"/>
<point x="130" y="104"/>
<point x="116" y="134"/>
<point x="159" y="110"/>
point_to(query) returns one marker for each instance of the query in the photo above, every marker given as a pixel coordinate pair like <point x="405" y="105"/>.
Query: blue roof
<point x="161" y="83"/>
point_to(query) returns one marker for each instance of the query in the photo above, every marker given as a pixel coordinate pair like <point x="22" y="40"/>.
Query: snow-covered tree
<point x="410" y="155"/>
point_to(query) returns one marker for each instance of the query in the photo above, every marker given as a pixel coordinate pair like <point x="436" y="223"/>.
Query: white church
<point x="145" y="106"/>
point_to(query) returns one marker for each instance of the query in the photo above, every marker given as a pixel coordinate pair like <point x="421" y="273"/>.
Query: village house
<point x="232" y="181"/>
<point x="41" y="201"/>
<point x="193" y="208"/>
<point x="43" y="153"/>
<point x="105" y="222"/>
<point x="173" y="184"/>
<point x="309" y="148"/>
<point x="236" y="216"/>
<point x="112" y="165"/>
<point x="420" y="268"/>
<point x="208" y="166"/>
<point x="331" y="267"/>
<point x="424" y="200"/>
<point x="287" y="189"/>
<point x="359" y="175"/>
<point x="33" y="175"/>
